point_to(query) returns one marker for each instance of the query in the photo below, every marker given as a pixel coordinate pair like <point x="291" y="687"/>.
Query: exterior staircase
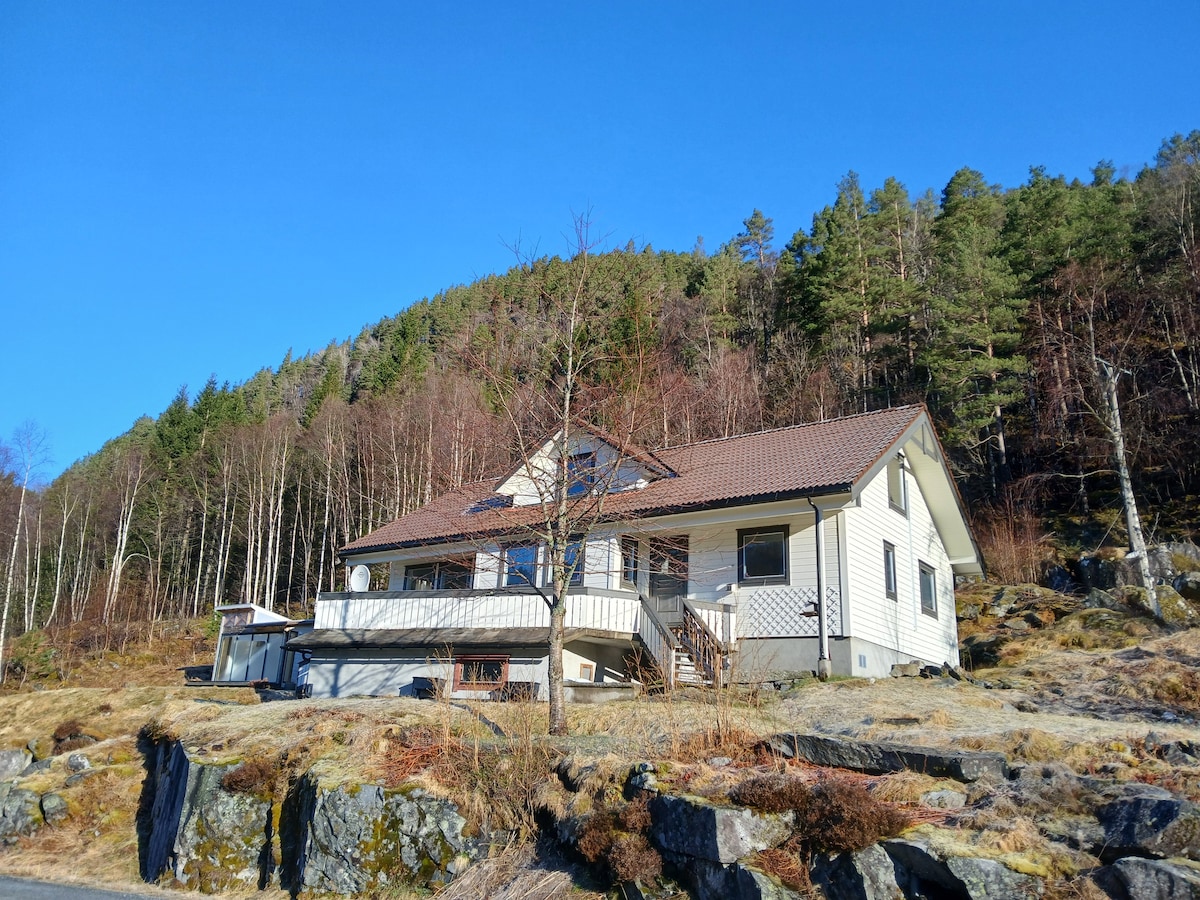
<point x="684" y="654"/>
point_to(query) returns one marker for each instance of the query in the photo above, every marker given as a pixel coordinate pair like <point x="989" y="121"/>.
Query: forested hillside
<point x="994" y="306"/>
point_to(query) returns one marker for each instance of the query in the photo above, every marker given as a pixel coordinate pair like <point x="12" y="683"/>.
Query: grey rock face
<point x="1148" y="821"/>
<point x="866" y="874"/>
<point x="13" y="763"/>
<point x="354" y="838"/>
<point x="54" y="808"/>
<point x="711" y="880"/>
<point x="986" y="879"/>
<point x="921" y="872"/>
<point x="204" y="836"/>
<point x="224" y="839"/>
<point x="1188" y="585"/>
<point x="77" y="762"/>
<point x="20" y="811"/>
<point x="1152" y="879"/>
<point x="944" y="799"/>
<point x="878" y="758"/>
<point x="721" y="834"/>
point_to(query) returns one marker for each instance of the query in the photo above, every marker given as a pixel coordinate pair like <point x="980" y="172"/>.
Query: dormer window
<point x="581" y="474"/>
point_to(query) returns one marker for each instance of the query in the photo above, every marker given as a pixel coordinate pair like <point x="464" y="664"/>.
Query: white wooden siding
<point x="401" y="609"/>
<point x="870" y="614"/>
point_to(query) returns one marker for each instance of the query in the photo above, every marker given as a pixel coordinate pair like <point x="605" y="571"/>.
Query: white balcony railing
<point x="610" y="611"/>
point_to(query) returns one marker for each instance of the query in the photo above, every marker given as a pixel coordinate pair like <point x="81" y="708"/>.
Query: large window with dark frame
<point x="763" y="555"/>
<point x="928" y="590"/>
<point x="520" y="565"/>
<point x="889" y="570"/>
<point x="442" y="575"/>
<point x="480" y="673"/>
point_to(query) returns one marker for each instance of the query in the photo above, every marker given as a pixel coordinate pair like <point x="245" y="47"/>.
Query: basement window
<point x="480" y="673"/>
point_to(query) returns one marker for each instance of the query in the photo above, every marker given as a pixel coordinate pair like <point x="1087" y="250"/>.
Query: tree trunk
<point x="558" y="700"/>
<point x="1133" y="522"/>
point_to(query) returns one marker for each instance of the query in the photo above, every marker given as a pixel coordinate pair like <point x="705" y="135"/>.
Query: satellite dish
<point x="360" y="578"/>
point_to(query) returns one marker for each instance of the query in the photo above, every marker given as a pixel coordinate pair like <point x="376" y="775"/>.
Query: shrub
<point x="631" y="858"/>
<point x="72" y="728"/>
<point x="842" y="815"/>
<point x="772" y="793"/>
<point x="596" y="836"/>
<point x="254" y="776"/>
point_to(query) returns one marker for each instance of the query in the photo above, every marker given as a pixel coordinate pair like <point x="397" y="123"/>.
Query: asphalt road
<point x="25" y="889"/>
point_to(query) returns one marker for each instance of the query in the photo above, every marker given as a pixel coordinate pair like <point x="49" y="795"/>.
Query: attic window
<point x="581" y="474"/>
<point x="496" y="501"/>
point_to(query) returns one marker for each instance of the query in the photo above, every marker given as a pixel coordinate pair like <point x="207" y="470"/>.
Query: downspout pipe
<point x="824" y="669"/>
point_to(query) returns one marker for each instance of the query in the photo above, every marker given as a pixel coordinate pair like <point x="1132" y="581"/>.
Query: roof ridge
<point x="793" y="427"/>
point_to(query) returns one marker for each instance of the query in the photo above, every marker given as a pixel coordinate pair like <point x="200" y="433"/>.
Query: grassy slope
<point x="1077" y="686"/>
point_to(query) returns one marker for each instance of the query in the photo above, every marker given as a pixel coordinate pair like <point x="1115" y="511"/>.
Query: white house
<point x="827" y="546"/>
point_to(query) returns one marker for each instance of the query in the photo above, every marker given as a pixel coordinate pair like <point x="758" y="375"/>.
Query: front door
<point x="668" y="571"/>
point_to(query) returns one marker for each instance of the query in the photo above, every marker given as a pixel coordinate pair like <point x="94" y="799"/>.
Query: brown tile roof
<point x="800" y="460"/>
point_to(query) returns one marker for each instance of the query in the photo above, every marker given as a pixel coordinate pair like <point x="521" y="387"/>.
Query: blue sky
<point x="193" y="189"/>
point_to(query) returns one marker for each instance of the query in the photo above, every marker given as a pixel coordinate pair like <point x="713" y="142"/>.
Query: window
<point x="581" y="474"/>
<point x="629" y="561"/>
<point x="897" y="489"/>
<point x="763" y="556"/>
<point x="480" y="673"/>
<point x="520" y="565"/>
<point x="443" y="575"/>
<point x="587" y="672"/>
<point x="889" y="570"/>
<point x="574" y="559"/>
<point x="928" y="590"/>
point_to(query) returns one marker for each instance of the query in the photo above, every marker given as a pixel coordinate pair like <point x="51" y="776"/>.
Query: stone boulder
<point x="723" y="834"/>
<point x="20" y="811"/>
<point x="866" y="874"/>
<point x="13" y="763"/>
<point x="712" y="881"/>
<point x="1154" y="879"/>
<point x="921" y="872"/>
<point x="1176" y="610"/>
<point x="880" y="758"/>
<point x="355" y="838"/>
<point x="1172" y="557"/>
<point x="1188" y="586"/>
<point x="1148" y="821"/>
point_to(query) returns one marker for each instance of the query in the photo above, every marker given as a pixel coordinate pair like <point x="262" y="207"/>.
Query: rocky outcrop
<point x="722" y="834"/>
<point x="1153" y="879"/>
<point x="202" y="835"/>
<point x="348" y="839"/>
<point x="879" y="758"/>
<point x="1151" y="822"/>
<point x="921" y="872"/>
<point x="20" y="811"/>
<point x="866" y="874"/>
<point x="13" y="763"/>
